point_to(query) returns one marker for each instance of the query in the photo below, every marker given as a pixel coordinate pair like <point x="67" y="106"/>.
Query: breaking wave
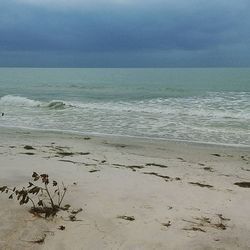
<point x="212" y="107"/>
<point x="19" y="101"/>
<point x="57" y="105"/>
<point x="222" y="118"/>
<point x="10" y="100"/>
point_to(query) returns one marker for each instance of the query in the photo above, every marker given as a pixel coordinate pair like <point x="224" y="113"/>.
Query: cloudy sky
<point x="125" y="33"/>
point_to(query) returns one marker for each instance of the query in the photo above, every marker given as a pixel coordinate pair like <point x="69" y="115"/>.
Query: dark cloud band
<point x="146" y="29"/>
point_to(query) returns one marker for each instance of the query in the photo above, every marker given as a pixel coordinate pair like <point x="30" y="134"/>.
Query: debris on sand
<point x="61" y="228"/>
<point x="168" y="224"/>
<point x="156" y="165"/>
<point x="245" y="169"/>
<point x="83" y="153"/>
<point x="218" y="155"/>
<point x="201" y="222"/>
<point x="243" y="184"/>
<point x="28" y="147"/>
<point x="124" y="217"/>
<point x="208" y="169"/>
<point x="158" y="175"/>
<point x="28" y="153"/>
<point x="223" y="218"/>
<point x="64" y="153"/>
<point x="194" y="229"/>
<point x="93" y="170"/>
<point x="180" y="158"/>
<point x="201" y="185"/>
<point x="132" y="167"/>
<point x="201" y="164"/>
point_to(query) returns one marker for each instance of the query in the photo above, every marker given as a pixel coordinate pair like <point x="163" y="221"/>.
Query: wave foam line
<point x="10" y="100"/>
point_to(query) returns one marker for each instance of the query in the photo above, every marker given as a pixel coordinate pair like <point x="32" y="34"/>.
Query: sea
<point x="207" y="105"/>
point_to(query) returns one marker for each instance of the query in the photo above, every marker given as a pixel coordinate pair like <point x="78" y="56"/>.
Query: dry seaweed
<point x="72" y="218"/>
<point x="28" y="147"/>
<point x="125" y="217"/>
<point x="64" y="153"/>
<point x="218" y="155"/>
<point x="245" y="169"/>
<point x="93" y="170"/>
<point x="208" y="169"/>
<point x="74" y="162"/>
<point x="168" y="224"/>
<point x="220" y="226"/>
<point x="134" y="167"/>
<point x="76" y="211"/>
<point x="120" y="145"/>
<point x="243" y="158"/>
<point x="201" y="185"/>
<point x="194" y="229"/>
<point x="158" y="175"/>
<point x="243" y="184"/>
<point x="61" y="228"/>
<point x="119" y="165"/>
<point x="223" y="218"/>
<point x="180" y="158"/>
<point x="83" y="153"/>
<point x="156" y="165"/>
<point x="28" y="153"/>
<point x="205" y="221"/>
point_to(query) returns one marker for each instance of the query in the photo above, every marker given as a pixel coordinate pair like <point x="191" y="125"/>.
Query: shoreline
<point x="122" y="137"/>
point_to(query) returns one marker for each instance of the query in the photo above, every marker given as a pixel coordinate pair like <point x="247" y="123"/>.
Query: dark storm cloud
<point x="116" y="32"/>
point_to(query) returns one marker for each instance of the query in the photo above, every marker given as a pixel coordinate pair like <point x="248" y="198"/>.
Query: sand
<point x="135" y="193"/>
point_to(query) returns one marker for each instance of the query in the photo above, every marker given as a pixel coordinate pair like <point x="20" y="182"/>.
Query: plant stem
<point x="64" y="192"/>
<point x="51" y="200"/>
<point x="32" y="202"/>
<point x="59" y="196"/>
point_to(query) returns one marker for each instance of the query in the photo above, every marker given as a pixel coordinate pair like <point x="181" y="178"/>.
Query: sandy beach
<point x="134" y="193"/>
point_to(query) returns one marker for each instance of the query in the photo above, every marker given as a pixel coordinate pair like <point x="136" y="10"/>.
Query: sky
<point x="124" y="33"/>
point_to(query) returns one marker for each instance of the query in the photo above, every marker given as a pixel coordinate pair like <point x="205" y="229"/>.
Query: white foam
<point x="10" y="100"/>
<point x="217" y="119"/>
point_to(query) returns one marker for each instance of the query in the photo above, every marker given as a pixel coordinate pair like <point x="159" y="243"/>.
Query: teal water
<point x="204" y="105"/>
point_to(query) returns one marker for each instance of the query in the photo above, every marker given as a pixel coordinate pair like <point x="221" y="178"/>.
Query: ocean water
<point x="204" y="104"/>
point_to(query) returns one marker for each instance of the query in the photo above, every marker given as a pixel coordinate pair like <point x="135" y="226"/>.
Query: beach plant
<point x="45" y="196"/>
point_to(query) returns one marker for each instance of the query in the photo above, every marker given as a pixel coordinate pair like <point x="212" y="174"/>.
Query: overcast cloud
<point x="124" y="33"/>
